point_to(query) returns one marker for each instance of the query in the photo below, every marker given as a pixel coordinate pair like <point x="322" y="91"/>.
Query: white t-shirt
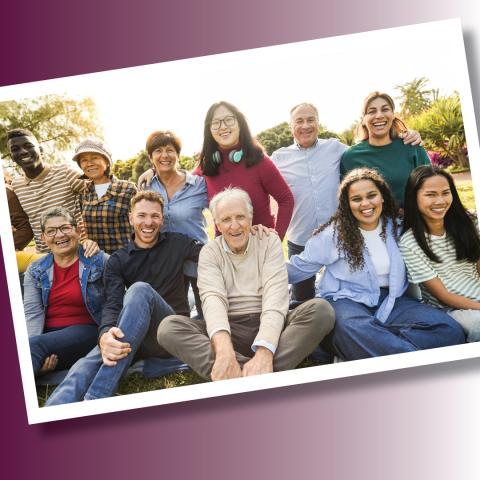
<point x="101" y="189"/>
<point x="377" y="250"/>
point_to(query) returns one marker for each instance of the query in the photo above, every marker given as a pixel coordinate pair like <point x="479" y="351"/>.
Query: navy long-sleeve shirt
<point x="160" y="266"/>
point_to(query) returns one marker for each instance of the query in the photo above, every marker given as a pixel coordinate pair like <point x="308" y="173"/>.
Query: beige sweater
<point x="254" y="282"/>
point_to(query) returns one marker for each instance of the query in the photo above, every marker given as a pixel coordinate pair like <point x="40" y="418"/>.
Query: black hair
<point x="252" y="150"/>
<point x="19" y="132"/>
<point x="459" y="223"/>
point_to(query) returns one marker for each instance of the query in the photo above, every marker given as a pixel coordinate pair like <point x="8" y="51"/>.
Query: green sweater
<point x="394" y="161"/>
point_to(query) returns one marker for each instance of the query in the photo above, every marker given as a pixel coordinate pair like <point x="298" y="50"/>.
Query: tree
<point x="415" y="98"/>
<point x="281" y="136"/>
<point x="276" y="137"/>
<point x="58" y="122"/>
<point x="442" y="129"/>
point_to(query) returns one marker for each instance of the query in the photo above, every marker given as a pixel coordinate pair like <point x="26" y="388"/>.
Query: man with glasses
<point x="43" y="185"/>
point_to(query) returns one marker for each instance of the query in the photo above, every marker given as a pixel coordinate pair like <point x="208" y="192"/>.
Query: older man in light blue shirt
<point x="311" y="167"/>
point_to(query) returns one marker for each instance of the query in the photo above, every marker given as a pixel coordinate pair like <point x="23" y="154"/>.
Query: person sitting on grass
<point x="143" y="284"/>
<point x="441" y="247"/>
<point x="63" y="296"/>
<point x="243" y="286"/>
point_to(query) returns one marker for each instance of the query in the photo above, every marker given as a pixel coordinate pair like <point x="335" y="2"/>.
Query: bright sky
<point x="335" y="74"/>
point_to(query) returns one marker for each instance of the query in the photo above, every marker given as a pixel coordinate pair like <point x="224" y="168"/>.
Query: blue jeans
<point x="304" y="290"/>
<point x="68" y="343"/>
<point x="143" y="310"/>
<point x="410" y="326"/>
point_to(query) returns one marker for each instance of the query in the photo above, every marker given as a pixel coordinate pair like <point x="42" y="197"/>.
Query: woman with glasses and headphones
<point x="230" y="156"/>
<point x="63" y="296"/>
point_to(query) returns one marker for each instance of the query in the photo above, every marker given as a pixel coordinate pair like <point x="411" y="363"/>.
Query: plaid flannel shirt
<point x="106" y="218"/>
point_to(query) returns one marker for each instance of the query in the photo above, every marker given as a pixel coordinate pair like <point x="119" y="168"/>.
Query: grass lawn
<point x="137" y="383"/>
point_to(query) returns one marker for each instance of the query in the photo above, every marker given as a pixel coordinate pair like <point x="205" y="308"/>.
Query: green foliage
<point x="347" y="137"/>
<point x="187" y="163"/>
<point x="442" y="129"/>
<point x="280" y="136"/>
<point x="58" y="122"/>
<point x="414" y="97"/>
<point x="276" y="137"/>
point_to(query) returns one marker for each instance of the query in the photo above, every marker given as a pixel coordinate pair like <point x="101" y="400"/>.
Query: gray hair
<point x="304" y="104"/>
<point x="231" y="193"/>
<point x="57" y="212"/>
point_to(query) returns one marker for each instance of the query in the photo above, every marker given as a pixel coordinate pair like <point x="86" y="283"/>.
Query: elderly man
<point x="244" y="290"/>
<point x="42" y="185"/>
<point x="143" y="284"/>
<point x="311" y="167"/>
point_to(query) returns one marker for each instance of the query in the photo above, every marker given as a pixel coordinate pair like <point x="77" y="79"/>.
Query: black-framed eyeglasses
<point x="52" y="231"/>
<point x="228" y="121"/>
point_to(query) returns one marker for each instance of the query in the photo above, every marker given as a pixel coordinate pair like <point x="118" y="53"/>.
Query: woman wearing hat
<point x="105" y="202"/>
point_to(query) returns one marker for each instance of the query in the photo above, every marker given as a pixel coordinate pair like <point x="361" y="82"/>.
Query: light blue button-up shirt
<point x="338" y="281"/>
<point x="183" y="213"/>
<point x="313" y="174"/>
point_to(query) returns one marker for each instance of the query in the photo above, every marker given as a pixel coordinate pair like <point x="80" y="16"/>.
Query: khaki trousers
<point x="304" y="329"/>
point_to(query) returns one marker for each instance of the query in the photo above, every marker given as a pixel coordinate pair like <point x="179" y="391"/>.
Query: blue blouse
<point x="183" y="213"/>
<point x="338" y="281"/>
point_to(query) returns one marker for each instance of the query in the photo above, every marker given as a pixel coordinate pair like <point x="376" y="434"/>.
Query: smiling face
<point x="225" y="136"/>
<point x="164" y="158"/>
<point x="366" y="203"/>
<point x="146" y="218"/>
<point x="434" y="198"/>
<point x="93" y="165"/>
<point x="304" y="125"/>
<point x="60" y="243"/>
<point x="25" y="152"/>
<point x="378" y="120"/>
<point x="233" y="222"/>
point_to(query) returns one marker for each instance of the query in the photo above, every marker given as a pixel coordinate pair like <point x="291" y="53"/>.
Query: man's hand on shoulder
<point x="262" y="362"/>
<point x="112" y="348"/>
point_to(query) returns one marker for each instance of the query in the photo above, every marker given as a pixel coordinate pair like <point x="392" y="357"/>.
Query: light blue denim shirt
<point x="183" y="213"/>
<point x="338" y="281"/>
<point x="313" y="175"/>
<point x="38" y="283"/>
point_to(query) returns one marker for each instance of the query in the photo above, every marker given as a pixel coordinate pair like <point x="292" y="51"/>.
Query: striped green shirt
<point x="459" y="277"/>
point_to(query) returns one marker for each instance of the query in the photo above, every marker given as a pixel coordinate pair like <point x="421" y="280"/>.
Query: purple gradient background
<point x="420" y="423"/>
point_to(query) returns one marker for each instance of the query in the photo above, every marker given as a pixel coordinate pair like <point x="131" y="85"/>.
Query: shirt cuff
<point x="263" y="343"/>
<point x="219" y="330"/>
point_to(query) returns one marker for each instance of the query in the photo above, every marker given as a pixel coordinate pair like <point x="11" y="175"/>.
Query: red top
<point x="65" y="302"/>
<point x="259" y="181"/>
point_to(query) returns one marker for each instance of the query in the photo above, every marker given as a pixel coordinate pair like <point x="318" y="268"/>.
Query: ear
<point x="130" y="218"/>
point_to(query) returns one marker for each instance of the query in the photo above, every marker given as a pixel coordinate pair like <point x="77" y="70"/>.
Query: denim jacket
<point x="38" y="282"/>
<point x="339" y="281"/>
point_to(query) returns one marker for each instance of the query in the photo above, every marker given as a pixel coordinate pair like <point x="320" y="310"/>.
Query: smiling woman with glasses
<point x="63" y="296"/>
<point x="231" y="156"/>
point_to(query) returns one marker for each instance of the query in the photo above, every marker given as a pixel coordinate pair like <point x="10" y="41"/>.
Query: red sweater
<point x="259" y="181"/>
<point x="65" y="302"/>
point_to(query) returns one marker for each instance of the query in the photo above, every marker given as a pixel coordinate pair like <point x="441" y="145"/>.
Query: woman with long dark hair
<point x="380" y="145"/>
<point x="365" y="278"/>
<point x="441" y="247"/>
<point x="231" y="156"/>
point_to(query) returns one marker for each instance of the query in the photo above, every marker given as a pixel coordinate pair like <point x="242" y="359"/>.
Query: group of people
<point x="361" y="222"/>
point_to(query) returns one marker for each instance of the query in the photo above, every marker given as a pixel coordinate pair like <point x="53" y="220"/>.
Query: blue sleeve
<point x="319" y="251"/>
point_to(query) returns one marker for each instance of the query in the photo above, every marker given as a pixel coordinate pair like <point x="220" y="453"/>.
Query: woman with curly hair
<point x="441" y="247"/>
<point x="380" y="145"/>
<point x="365" y="278"/>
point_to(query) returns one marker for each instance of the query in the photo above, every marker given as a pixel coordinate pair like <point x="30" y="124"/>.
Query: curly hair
<point x="345" y="226"/>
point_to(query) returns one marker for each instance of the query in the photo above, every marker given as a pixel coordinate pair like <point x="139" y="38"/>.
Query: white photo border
<point x="453" y="30"/>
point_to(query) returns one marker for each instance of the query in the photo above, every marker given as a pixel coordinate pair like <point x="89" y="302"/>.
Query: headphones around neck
<point x="234" y="156"/>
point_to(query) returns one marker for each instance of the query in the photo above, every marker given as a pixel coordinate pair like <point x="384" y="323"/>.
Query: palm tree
<point x="415" y="98"/>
